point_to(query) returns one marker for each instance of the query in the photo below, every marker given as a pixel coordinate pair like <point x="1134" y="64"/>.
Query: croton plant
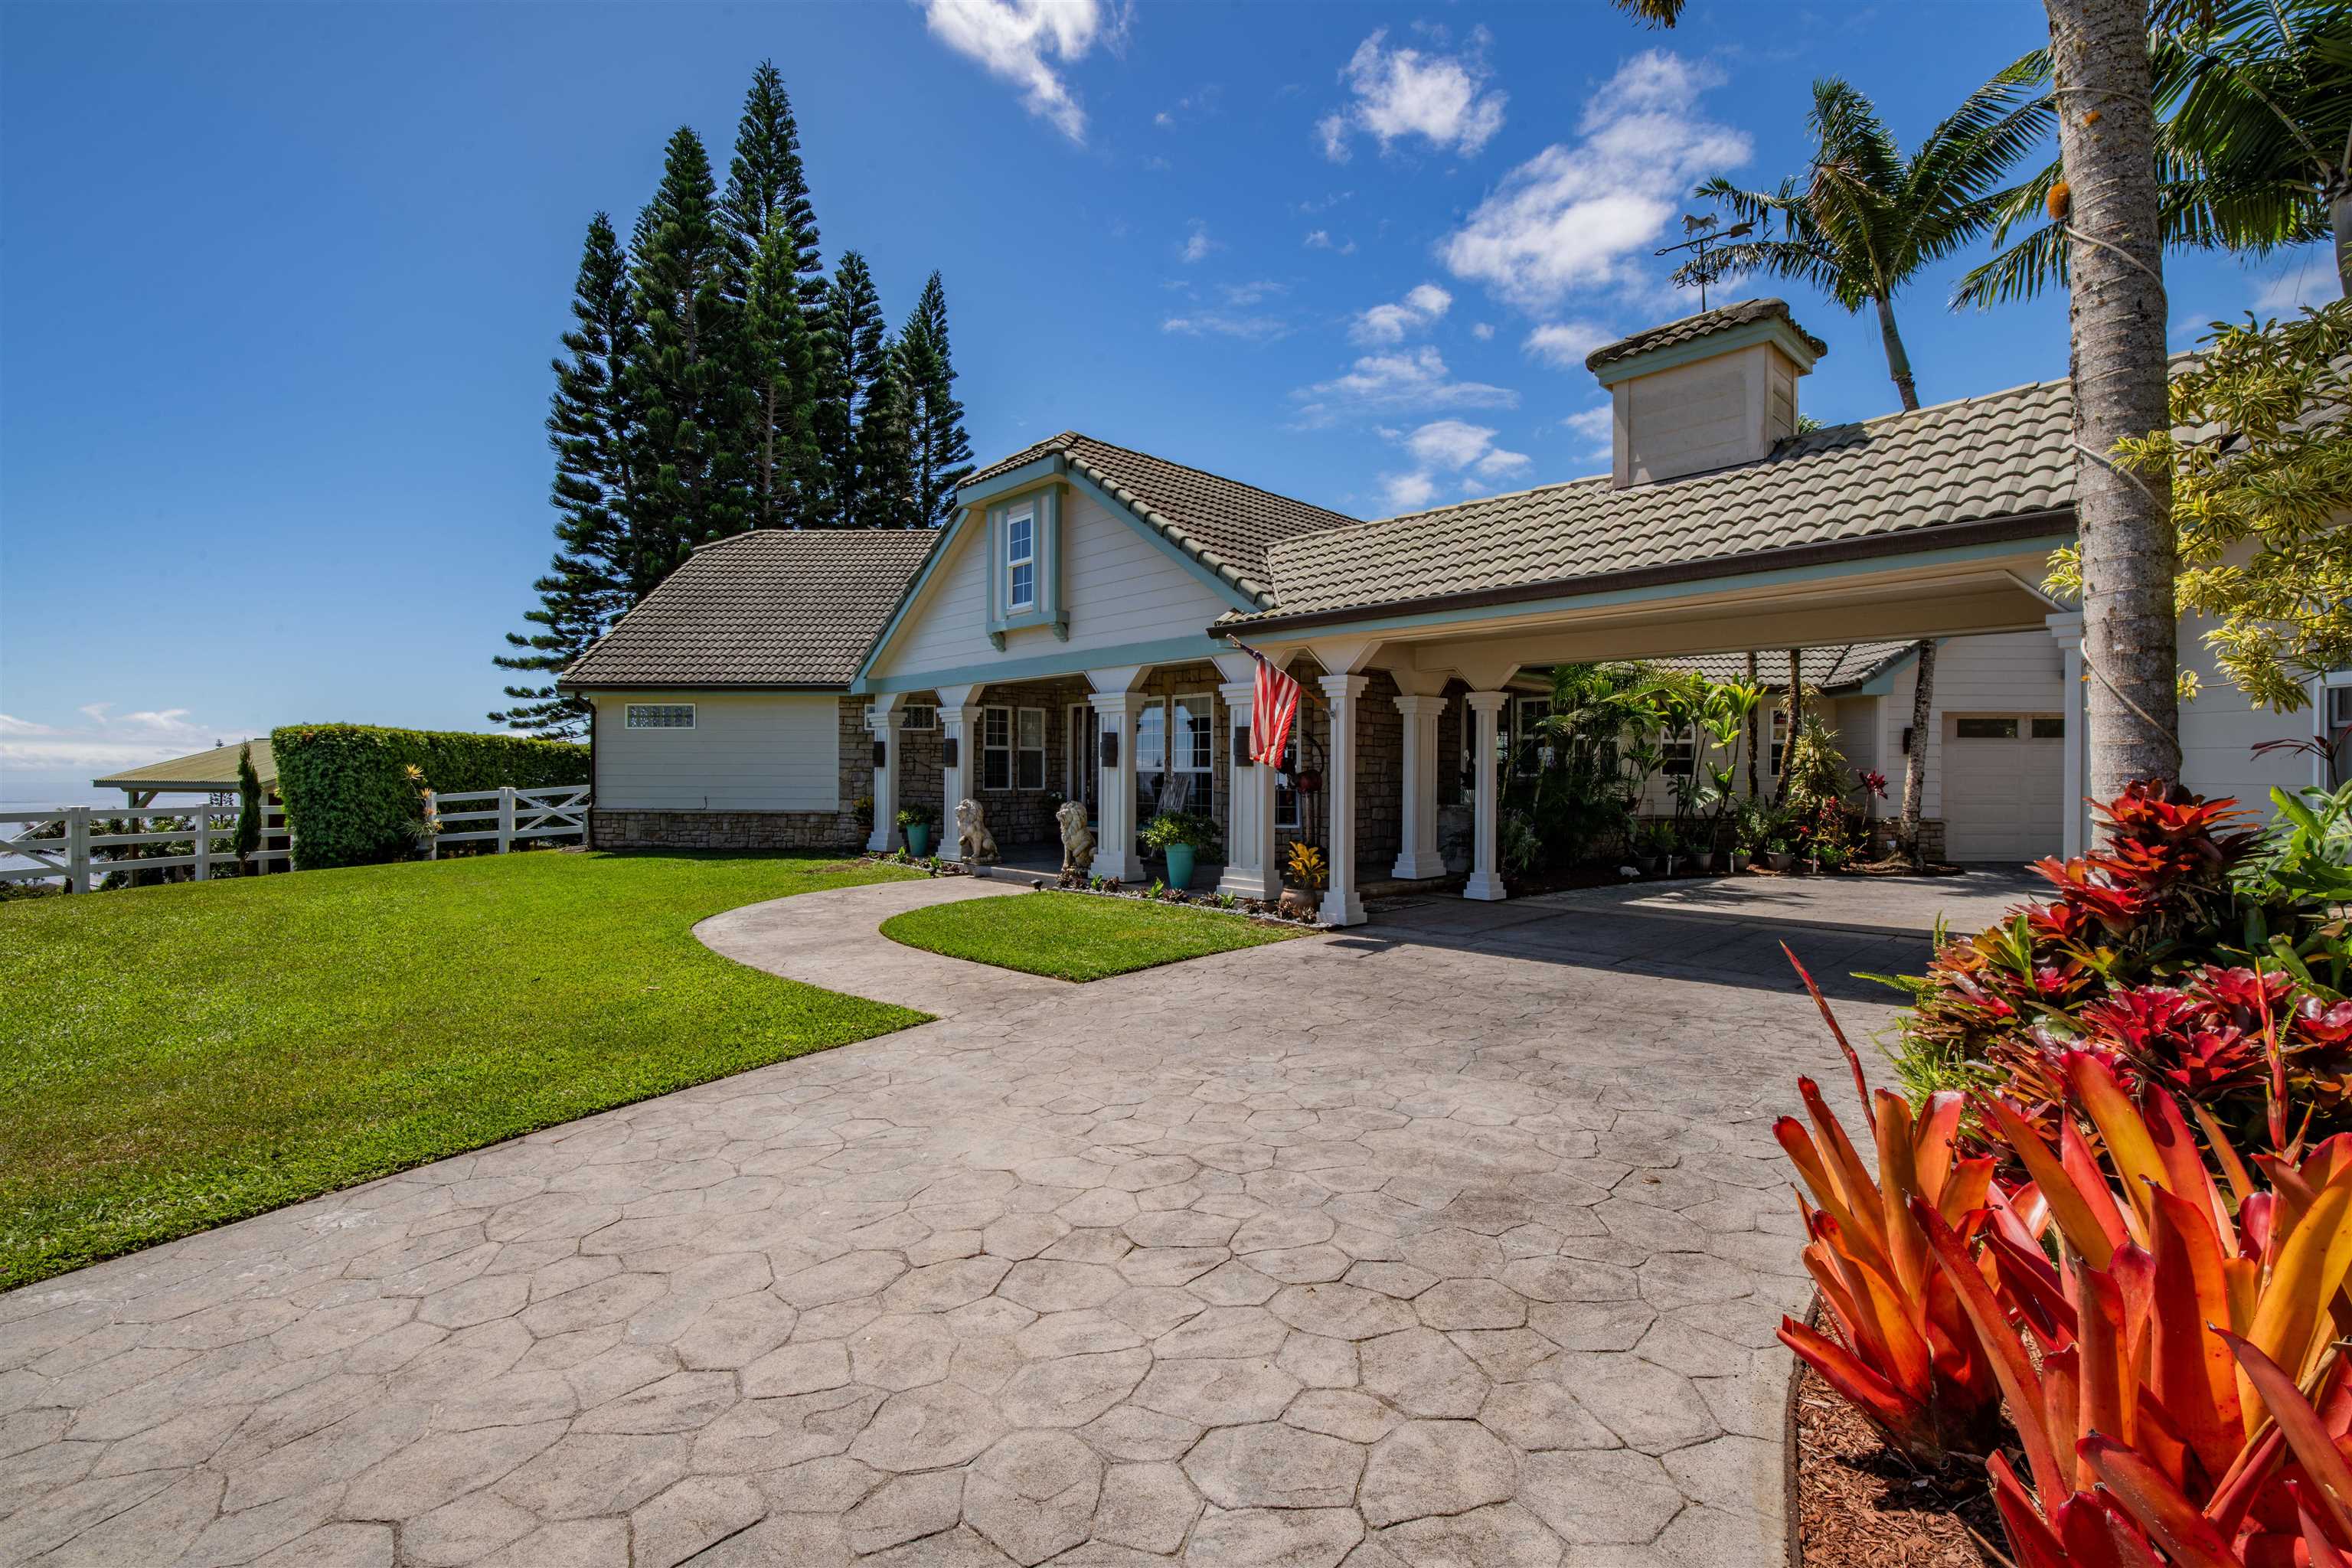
<point x="2114" y="1265"/>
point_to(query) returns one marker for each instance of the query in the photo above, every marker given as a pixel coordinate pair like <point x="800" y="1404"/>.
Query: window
<point x="996" y="748"/>
<point x="1679" y="746"/>
<point x="920" y="716"/>
<point x="1151" y="739"/>
<point x="1985" y="729"/>
<point x="661" y="715"/>
<point x="1021" y="560"/>
<point x="1780" y="739"/>
<point x="1286" y="792"/>
<point x="2050" y="729"/>
<point x="1191" y="734"/>
<point x="1526" y="748"/>
<point x="1029" y="737"/>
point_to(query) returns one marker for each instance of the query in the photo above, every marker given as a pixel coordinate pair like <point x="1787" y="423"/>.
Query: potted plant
<point x="1653" y="844"/>
<point x="1779" y="854"/>
<point x="1749" y="829"/>
<point x="918" y="821"/>
<point x="1180" y="835"/>
<point x="1309" y="872"/>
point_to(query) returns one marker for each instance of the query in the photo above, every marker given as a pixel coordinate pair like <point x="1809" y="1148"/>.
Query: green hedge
<point x="348" y="801"/>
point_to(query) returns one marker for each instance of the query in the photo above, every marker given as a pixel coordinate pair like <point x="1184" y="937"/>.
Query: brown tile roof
<point x="1824" y="668"/>
<point x="2002" y="455"/>
<point x="775" y="607"/>
<point x="1690" y="329"/>
<point x="1227" y="525"/>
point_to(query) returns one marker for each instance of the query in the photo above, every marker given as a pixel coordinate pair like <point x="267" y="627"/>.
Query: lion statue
<point x="1077" y="840"/>
<point x="974" y="842"/>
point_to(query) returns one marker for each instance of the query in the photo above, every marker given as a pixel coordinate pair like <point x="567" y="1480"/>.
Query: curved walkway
<point x="1438" y="1242"/>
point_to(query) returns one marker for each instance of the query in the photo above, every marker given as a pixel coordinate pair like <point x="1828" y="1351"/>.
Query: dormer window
<point x="1021" y="560"/>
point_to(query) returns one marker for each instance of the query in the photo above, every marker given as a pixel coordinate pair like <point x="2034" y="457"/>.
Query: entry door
<point x="1084" y="765"/>
<point x="2004" y="786"/>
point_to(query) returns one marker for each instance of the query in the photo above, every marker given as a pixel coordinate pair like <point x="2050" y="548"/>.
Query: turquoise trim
<point x="1772" y="329"/>
<point x="1168" y="651"/>
<point x="1882" y="683"/>
<point x="1175" y="551"/>
<point x="1686" y="589"/>
<point x="1012" y="480"/>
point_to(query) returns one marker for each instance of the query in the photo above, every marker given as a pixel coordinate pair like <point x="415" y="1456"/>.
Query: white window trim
<point x="1200" y="705"/>
<point x="1152" y="705"/>
<point x="1013" y="604"/>
<point x="1077" y="733"/>
<point x="1671" y="737"/>
<point x="986" y="748"/>
<point x="629" y="718"/>
<point x="1021" y="752"/>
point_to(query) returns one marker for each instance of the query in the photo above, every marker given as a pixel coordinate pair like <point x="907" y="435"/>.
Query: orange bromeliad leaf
<point x="2158" y="1507"/>
<point x="2190" y="1368"/>
<point x="2292" y="1320"/>
<point x="2086" y="1227"/>
<point x="2300" y="1425"/>
<point x="2010" y="1364"/>
<point x="2121" y="1128"/>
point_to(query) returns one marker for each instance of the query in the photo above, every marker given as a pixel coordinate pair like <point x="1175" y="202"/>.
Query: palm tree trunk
<point x="2339" y="214"/>
<point x="1914" y="766"/>
<point x="1754" y="792"/>
<point x="1898" y="362"/>
<point x="2106" y="134"/>
<point x="1789" y="741"/>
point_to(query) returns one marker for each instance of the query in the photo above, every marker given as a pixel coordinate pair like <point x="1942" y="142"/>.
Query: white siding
<point x="2008" y="672"/>
<point x="765" y="752"/>
<point x="2218" y="732"/>
<point x="1118" y="587"/>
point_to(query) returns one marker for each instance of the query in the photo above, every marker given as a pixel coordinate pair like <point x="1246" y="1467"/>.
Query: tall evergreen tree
<point x="588" y="424"/>
<point x="850" y="361"/>
<point x="938" y="450"/>
<point x="781" y="370"/>
<point x="686" y="380"/>
<point x="767" y="182"/>
<point x="886" y="477"/>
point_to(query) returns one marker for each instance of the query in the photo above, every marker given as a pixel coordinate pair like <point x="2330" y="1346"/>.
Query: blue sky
<point x="280" y="283"/>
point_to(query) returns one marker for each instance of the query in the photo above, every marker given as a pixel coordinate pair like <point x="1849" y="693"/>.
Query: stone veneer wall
<point x="828" y="830"/>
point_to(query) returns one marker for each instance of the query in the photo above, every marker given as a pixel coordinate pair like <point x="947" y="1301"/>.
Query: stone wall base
<point x="829" y="830"/>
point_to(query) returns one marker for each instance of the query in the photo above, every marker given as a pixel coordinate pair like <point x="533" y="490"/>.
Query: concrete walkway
<point x="1457" y="1239"/>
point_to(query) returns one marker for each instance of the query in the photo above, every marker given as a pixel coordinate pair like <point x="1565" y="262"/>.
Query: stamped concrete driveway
<point x="1458" y="1239"/>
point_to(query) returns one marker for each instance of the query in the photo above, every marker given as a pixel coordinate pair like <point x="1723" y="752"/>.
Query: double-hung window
<point x="1029" y="754"/>
<point x="1679" y="746"/>
<point x="1192" y="735"/>
<point x="996" y="748"/>
<point x="1021" y="560"/>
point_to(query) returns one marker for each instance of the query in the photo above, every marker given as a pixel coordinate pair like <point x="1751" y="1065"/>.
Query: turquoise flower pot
<point x="919" y="840"/>
<point x="1180" y="866"/>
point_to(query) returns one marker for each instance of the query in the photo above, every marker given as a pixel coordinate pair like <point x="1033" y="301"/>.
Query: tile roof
<point x="1824" y="668"/>
<point x="213" y="769"/>
<point x="1225" y="524"/>
<point x="2002" y="455"/>
<point x="1690" y="329"/>
<point x="774" y="608"/>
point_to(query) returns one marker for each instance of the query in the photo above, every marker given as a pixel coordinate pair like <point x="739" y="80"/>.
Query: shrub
<point x="348" y="804"/>
<point x="1195" y="828"/>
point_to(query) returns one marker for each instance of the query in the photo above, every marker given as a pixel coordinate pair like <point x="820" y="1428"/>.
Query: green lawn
<point x="175" y="1057"/>
<point x="1075" y="936"/>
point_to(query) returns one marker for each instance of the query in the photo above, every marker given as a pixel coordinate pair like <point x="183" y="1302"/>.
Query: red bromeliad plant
<point x="2164" y="1342"/>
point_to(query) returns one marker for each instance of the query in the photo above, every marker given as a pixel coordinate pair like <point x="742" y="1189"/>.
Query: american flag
<point x="1274" y="705"/>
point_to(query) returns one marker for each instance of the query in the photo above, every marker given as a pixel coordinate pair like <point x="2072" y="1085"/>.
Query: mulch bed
<point x="1862" y="1505"/>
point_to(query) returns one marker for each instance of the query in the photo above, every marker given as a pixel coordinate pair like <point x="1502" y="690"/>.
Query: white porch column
<point x="959" y="732"/>
<point x="1251" y="870"/>
<point x="1115" y="855"/>
<point x="884" y="724"/>
<point x="1485" y="873"/>
<point x="1418" y="855"/>
<point x="1342" y="907"/>
<point x="2067" y="627"/>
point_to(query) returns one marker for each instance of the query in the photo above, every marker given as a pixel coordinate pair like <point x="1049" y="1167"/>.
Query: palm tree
<point x="1864" y="219"/>
<point x="2253" y="150"/>
<point x="1653" y="13"/>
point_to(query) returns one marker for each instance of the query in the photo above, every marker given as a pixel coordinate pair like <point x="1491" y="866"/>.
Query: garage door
<point x="2004" y="785"/>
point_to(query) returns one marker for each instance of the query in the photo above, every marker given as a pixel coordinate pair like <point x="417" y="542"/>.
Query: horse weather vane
<point x="1708" y="265"/>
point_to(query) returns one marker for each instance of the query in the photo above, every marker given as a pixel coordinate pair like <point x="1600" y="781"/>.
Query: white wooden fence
<point x="59" y="842"/>
<point x="560" y="812"/>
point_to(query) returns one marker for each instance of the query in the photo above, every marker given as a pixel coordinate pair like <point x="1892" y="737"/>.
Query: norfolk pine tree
<point x="849" y="361"/>
<point x="885" y="481"/>
<point x="586" y="586"/>
<point x="781" y="369"/>
<point x="940" y="452"/>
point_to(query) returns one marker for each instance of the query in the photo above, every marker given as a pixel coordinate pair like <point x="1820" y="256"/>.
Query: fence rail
<point x="560" y="812"/>
<point x="58" y="842"/>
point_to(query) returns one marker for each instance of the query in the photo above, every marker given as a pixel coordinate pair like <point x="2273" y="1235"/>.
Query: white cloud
<point x="1197" y="245"/>
<point x="1577" y="215"/>
<point x="1226" y="324"/>
<point x="1251" y="293"/>
<point x="1565" y="343"/>
<point x="1165" y="121"/>
<point x="1416" y="378"/>
<point x="1482" y="331"/>
<point x="1420" y="307"/>
<point x="2310" y="280"/>
<point x="1013" y="39"/>
<point x="1399" y="92"/>
<point x="1408" y="492"/>
<point x="110" y="742"/>
<point x="1597" y="426"/>
<point x="1320" y="239"/>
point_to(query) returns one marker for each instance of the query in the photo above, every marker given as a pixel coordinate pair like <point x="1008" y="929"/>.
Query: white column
<point x="1342" y="907"/>
<point x="1417" y="856"/>
<point x="959" y="734"/>
<point x="1115" y="855"/>
<point x="1485" y="873"/>
<point x="1251" y="871"/>
<point x="883" y="723"/>
<point x="2067" y="628"/>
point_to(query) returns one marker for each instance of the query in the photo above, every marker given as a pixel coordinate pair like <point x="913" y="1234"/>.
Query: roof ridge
<point x="1210" y="474"/>
<point x="929" y="533"/>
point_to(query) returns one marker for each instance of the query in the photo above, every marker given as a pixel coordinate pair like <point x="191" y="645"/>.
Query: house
<point x="1085" y="628"/>
<point x="211" y="772"/>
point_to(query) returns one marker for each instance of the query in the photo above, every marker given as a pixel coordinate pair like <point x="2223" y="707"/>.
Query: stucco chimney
<point x="1710" y="391"/>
